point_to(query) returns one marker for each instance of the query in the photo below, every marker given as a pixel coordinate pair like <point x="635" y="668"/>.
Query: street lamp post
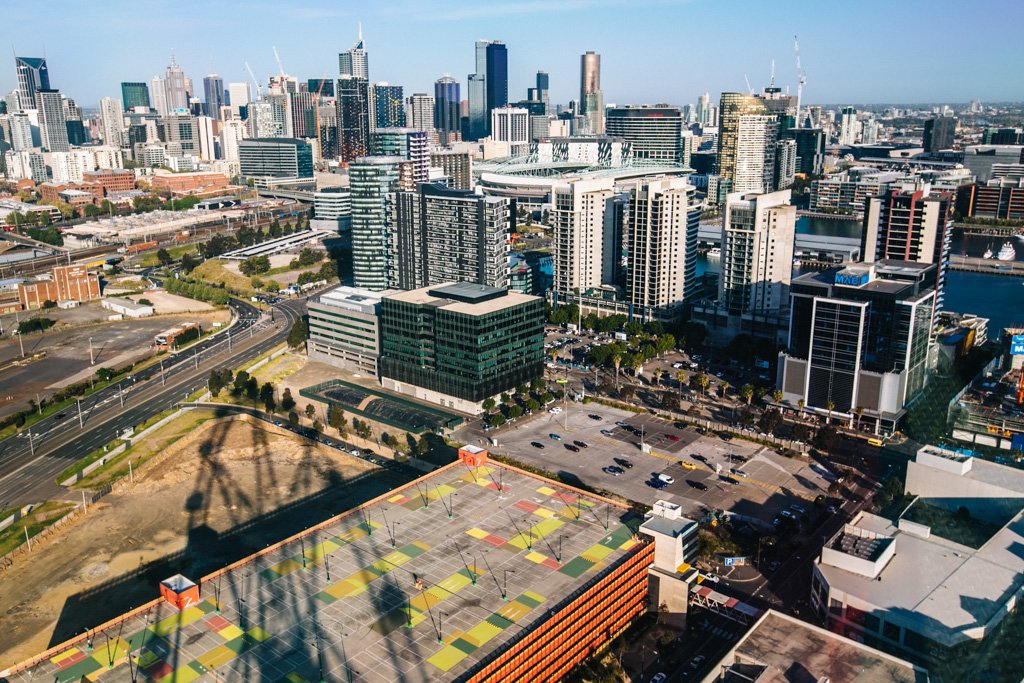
<point x="504" y="589"/>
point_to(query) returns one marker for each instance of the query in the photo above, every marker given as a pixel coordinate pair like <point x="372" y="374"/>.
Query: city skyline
<point x="633" y="40"/>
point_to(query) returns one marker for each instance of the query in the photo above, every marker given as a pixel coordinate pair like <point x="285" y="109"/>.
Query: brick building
<point x="50" y="192"/>
<point x="66" y="283"/>
<point x="111" y="180"/>
<point x="189" y="183"/>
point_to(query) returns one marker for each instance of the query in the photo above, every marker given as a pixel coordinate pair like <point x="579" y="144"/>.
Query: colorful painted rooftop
<point x="423" y="584"/>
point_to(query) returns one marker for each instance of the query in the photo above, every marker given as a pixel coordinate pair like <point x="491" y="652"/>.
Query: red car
<point x="672" y="437"/>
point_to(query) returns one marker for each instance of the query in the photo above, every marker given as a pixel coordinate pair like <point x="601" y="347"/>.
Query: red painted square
<point x="565" y="497"/>
<point x="526" y="506"/>
<point x="218" y="623"/>
<point x="494" y="540"/>
<point x="158" y="670"/>
<point x="551" y="564"/>
<point x="71" y="660"/>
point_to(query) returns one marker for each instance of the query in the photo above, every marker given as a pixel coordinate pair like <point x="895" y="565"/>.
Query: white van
<point x="666" y="478"/>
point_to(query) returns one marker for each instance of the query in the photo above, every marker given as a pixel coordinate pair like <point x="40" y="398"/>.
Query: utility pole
<point x="81" y="423"/>
<point x="92" y="359"/>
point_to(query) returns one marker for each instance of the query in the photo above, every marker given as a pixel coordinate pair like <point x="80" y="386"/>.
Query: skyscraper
<point x="53" y="130"/>
<point x="747" y="136"/>
<point x="213" y="89"/>
<point x="353" y="117"/>
<point x="275" y="158"/>
<point x="703" y="112"/>
<point x="439" y="234"/>
<point x="388" y="106"/>
<point x="111" y="121"/>
<point x="939" y="133"/>
<point x="591" y="97"/>
<point x="810" y="149"/>
<point x="653" y="132"/>
<point x="849" y="127"/>
<point x="488" y="87"/>
<point x="301" y="116"/>
<point x="447" y="119"/>
<point x="758" y="232"/>
<point x="21" y="132"/>
<point x="371" y="179"/>
<point x="511" y="125"/>
<point x="158" y="95"/>
<point x="134" y="95"/>
<point x="540" y="92"/>
<point x="33" y="76"/>
<point x="354" y="61"/>
<point x="238" y="97"/>
<point x="664" y="217"/>
<point x="177" y="87"/>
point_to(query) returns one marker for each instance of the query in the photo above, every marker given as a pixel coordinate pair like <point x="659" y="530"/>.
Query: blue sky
<point x="867" y="51"/>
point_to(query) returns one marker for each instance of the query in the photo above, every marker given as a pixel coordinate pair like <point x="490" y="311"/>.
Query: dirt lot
<point x="224" y="491"/>
<point x="165" y="302"/>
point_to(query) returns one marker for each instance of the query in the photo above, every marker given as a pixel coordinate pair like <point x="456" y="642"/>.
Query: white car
<point x="711" y="578"/>
<point x="658" y="678"/>
<point x="555" y="411"/>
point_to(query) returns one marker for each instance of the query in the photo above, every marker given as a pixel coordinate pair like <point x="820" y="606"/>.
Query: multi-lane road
<point x="30" y="461"/>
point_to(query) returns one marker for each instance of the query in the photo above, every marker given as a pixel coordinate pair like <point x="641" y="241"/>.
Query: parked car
<point x="700" y="486"/>
<point x="606" y="432"/>
<point x="711" y="578"/>
<point x="623" y="463"/>
<point x="612" y="470"/>
<point x="595" y="416"/>
<point x="738" y="472"/>
<point x="671" y="437"/>
<point x="556" y="437"/>
<point x="555" y="411"/>
<point x="570" y="447"/>
<point x="581" y="444"/>
<point x="696" y="662"/>
<point x="659" y="678"/>
<point x="698" y="456"/>
<point x="537" y="444"/>
<point x="667" y="478"/>
<point x="774" y="565"/>
<point x="687" y="465"/>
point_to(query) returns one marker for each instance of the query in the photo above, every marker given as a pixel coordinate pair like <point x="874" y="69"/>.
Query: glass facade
<point x="444" y="348"/>
<point x="370" y="181"/>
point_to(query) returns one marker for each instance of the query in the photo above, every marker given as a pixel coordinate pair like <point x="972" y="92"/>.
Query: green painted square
<point x="207" y="606"/>
<point x="499" y="621"/>
<point x="326" y="598"/>
<point x="197" y="667"/>
<point x="269" y="574"/>
<point x="237" y="645"/>
<point x="617" y="537"/>
<point x="464" y="645"/>
<point x="412" y="550"/>
<point x="576" y="567"/>
<point x="394" y="619"/>
<point x="79" y="670"/>
<point x="530" y="599"/>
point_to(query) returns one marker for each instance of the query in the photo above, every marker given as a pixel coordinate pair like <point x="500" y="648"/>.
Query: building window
<point x="891" y="631"/>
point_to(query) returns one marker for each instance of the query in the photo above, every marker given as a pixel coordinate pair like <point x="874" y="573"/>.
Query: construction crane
<point x="800" y="80"/>
<point x="750" y="91"/>
<point x="316" y="115"/>
<point x="280" y="66"/>
<point x="259" y="91"/>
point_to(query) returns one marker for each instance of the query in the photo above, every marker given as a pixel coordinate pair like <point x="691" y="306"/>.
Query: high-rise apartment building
<point x="511" y="125"/>
<point x="353" y="117"/>
<point x="785" y="164"/>
<point x="134" y="94"/>
<point x="409" y="144"/>
<point x="324" y="87"/>
<point x="213" y="90"/>
<point x="354" y="61"/>
<point x="747" y="136"/>
<point x="849" y="126"/>
<point x="438" y="234"/>
<point x="388" y="106"/>
<point x="371" y="180"/>
<point x="21" y="132"/>
<point x="419" y="112"/>
<point x="703" y="110"/>
<point x="939" y="133"/>
<point x="111" y="122"/>
<point x="447" y="118"/>
<point x="591" y="97"/>
<point x="53" y="129"/>
<point x="33" y="76"/>
<point x="233" y="131"/>
<point x="663" y="216"/>
<point x="158" y="95"/>
<point x="910" y="223"/>
<point x="654" y="133"/>
<point x="810" y="149"/>
<point x="539" y="93"/>
<point x="181" y="129"/>
<point x="301" y="114"/>
<point x="585" y="224"/>
<point x="758" y="233"/>
<point x="456" y="166"/>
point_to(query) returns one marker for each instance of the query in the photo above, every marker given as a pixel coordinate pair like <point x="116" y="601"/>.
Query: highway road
<point x="30" y="460"/>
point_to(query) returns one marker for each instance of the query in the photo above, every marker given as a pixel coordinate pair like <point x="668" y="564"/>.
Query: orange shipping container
<point x="141" y="246"/>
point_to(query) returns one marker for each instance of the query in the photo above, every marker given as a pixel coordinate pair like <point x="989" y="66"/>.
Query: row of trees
<point x="524" y="399"/>
<point x="306" y="257"/>
<point x="197" y="290"/>
<point x="328" y="272"/>
<point x="255" y="265"/>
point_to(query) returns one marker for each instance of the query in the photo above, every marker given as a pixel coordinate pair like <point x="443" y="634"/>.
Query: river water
<point x="999" y="298"/>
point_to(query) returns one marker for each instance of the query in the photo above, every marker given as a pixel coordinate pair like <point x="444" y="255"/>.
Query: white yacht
<point x="1007" y="252"/>
<point x="714" y="252"/>
<point x="987" y="254"/>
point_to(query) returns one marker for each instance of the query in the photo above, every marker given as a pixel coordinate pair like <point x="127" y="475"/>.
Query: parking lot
<point x="706" y="471"/>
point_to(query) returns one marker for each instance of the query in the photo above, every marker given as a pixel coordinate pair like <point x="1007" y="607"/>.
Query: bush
<point x="35" y="325"/>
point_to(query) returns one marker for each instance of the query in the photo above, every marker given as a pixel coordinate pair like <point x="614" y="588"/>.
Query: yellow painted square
<point x="294" y="677"/>
<point x="424" y="601"/>
<point x="421" y="545"/>
<point x="185" y="674"/>
<point x="544" y="512"/>
<point x="172" y="623"/>
<point x="628" y="544"/>
<point x="218" y="656"/>
<point x="481" y="633"/>
<point x="57" y="659"/>
<point x="455" y="583"/>
<point x="448" y="657"/>
<point x="363" y="576"/>
<point x="477" y="533"/>
<point x="514" y="611"/>
<point x="547" y="527"/>
<point x="258" y="634"/>
<point x="395" y="558"/>
<point x="396" y="498"/>
<point x="230" y="633"/>
<point x="536" y="557"/>
<point x="534" y="596"/>
<point x="286" y="566"/>
<point x="417" y="618"/>
<point x="597" y="552"/>
<point x="344" y="588"/>
<point x="520" y="541"/>
<point x="545" y="490"/>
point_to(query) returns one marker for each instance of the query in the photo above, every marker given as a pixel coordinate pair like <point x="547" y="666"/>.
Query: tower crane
<point x="280" y="66"/>
<point x="259" y="91"/>
<point x="750" y="91"/>
<point x="316" y="116"/>
<point x="800" y="80"/>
